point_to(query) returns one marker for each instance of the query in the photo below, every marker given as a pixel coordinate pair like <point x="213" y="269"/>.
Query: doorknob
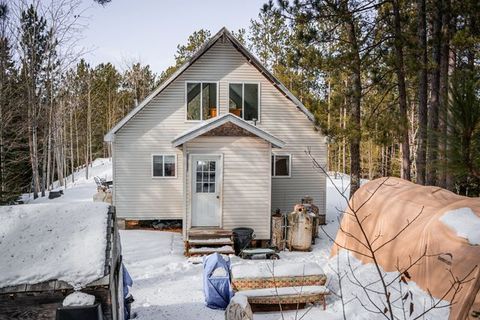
<point x="218" y="197"/>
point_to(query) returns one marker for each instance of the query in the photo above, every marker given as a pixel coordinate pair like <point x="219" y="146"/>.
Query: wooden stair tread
<point x="210" y="242"/>
<point x="209" y="250"/>
<point x="209" y="233"/>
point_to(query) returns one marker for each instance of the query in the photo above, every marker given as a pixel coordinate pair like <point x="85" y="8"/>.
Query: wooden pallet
<point x="204" y="241"/>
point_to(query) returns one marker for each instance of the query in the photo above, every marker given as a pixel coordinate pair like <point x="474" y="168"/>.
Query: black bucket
<point x="241" y="238"/>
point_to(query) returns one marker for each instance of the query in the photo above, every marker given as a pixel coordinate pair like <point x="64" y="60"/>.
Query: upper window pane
<point x="236" y="97"/>
<point x="282" y="166"/>
<point x="251" y="101"/>
<point x="193" y="101"/>
<point x="209" y="100"/>
<point x="244" y="100"/>
<point x="158" y="166"/>
<point x="201" y="100"/>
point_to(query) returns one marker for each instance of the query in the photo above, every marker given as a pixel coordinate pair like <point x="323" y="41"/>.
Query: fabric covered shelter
<point x="389" y="203"/>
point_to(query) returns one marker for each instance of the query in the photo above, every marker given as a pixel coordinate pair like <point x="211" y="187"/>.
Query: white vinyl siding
<point x="151" y="131"/>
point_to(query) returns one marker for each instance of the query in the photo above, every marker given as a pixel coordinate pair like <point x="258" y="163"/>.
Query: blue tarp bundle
<point x="216" y="281"/>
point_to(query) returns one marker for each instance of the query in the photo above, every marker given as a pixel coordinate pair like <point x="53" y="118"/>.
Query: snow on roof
<point x="465" y="223"/>
<point x="56" y="241"/>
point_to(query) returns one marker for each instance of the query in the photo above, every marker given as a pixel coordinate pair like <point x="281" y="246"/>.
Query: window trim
<point x="243" y="99"/>
<point x="289" y="155"/>
<point x="201" y="82"/>
<point x="163" y="167"/>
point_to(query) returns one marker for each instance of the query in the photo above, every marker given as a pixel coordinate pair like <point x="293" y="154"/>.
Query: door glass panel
<point x="200" y="166"/>
<point x="205" y="176"/>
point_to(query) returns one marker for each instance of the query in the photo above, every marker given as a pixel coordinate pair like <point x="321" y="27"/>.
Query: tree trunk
<point x="355" y="108"/>
<point x="72" y="161"/>
<point x="402" y="92"/>
<point x="422" y="93"/>
<point x="443" y="95"/>
<point x="435" y="97"/>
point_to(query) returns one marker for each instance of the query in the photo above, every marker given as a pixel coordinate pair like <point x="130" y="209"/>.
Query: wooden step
<point x="209" y="233"/>
<point x="210" y="242"/>
<point x="210" y="250"/>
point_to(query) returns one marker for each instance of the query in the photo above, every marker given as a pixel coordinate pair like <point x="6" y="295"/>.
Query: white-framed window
<point x="201" y="100"/>
<point x="281" y="165"/>
<point x="164" y="166"/>
<point x="244" y="100"/>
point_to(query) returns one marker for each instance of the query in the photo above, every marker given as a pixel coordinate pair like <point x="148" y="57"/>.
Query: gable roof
<point x="205" y="47"/>
<point x="216" y="122"/>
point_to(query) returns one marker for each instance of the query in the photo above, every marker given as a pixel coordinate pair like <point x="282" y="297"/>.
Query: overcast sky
<point x="149" y="30"/>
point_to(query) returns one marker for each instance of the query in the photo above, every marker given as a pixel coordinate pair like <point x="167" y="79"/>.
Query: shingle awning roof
<point x="217" y="122"/>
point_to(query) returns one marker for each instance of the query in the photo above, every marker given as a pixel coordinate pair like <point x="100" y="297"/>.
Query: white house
<point x="221" y="143"/>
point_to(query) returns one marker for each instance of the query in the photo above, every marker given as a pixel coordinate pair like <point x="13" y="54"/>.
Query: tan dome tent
<point x="443" y="222"/>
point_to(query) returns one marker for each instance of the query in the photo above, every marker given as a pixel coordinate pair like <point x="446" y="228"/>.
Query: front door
<point x="206" y="190"/>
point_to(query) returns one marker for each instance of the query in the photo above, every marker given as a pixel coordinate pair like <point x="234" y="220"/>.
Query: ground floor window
<point x="164" y="166"/>
<point x="281" y="165"/>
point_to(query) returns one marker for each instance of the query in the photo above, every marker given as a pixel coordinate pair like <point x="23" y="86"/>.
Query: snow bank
<point x="354" y="273"/>
<point x="78" y="298"/>
<point x="58" y="241"/>
<point x="465" y="223"/>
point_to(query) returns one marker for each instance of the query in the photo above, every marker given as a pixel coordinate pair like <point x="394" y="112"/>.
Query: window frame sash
<point x="163" y="155"/>
<point x="243" y="98"/>
<point x="274" y="167"/>
<point x="217" y="84"/>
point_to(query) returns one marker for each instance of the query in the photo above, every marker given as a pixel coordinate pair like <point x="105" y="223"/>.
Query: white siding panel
<point x="137" y="195"/>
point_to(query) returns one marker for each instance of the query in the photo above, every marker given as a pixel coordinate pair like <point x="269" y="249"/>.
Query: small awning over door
<point x="227" y="124"/>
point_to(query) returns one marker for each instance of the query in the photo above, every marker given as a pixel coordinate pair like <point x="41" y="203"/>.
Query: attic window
<point x="201" y="100"/>
<point x="244" y="100"/>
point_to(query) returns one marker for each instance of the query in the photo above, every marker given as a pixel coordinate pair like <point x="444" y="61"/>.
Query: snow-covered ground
<point x="81" y="189"/>
<point x="169" y="287"/>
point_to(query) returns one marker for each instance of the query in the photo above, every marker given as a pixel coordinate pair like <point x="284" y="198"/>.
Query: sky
<point x="148" y="31"/>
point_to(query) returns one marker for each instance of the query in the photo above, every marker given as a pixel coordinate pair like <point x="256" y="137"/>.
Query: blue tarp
<point x="216" y="284"/>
